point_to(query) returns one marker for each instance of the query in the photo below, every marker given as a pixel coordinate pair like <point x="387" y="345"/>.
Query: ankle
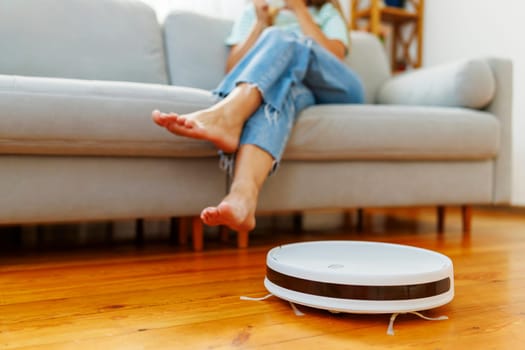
<point x="245" y="189"/>
<point x="242" y="102"/>
<point x="251" y="94"/>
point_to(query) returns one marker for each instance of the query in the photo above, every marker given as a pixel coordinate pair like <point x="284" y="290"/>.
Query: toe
<point x="188" y="123"/>
<point x="209" y="216"/>
<point x="180" y="120"/>
<point x="172" y="127"/>
<point x="157" y="118"/>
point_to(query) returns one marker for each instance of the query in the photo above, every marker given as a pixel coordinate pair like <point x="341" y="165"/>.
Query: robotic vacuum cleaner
<point x="360" y="277"/>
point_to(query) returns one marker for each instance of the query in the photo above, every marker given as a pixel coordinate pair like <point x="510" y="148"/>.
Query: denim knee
<point x="276" y="37"/>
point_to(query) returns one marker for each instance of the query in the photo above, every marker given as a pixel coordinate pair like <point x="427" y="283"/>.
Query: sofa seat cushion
<point x="81" y="117"/>
<point x="78" y="117"/>
<point x="371" y="132"/>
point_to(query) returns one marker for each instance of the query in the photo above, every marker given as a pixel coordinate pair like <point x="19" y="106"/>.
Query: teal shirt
<point x="327" y="18"/>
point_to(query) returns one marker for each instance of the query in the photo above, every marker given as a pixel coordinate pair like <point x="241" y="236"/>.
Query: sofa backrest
<point x="84" y="39"/>
<point x="196" y="53"/>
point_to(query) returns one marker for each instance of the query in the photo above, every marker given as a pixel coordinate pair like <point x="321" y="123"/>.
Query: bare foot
<point x="209" y="124"/>
<point x="235" y="211"/>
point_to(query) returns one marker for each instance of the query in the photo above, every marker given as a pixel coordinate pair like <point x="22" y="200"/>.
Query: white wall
<point x="218" y="8"/>
<point x="221" y="8"/>
<point x="467" y="28"/>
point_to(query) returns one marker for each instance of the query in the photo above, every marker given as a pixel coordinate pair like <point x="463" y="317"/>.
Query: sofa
<point x="79" y="79"/>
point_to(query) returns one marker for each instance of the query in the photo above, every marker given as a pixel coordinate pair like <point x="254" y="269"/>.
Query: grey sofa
<point x="79" y="79"/>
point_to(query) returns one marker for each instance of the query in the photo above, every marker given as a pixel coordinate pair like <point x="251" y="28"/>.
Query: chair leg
<point x="197" y="234"/>
<point x="440" y="219"/>
<point x="242" y="239"/>
<point x="466" y="218"/>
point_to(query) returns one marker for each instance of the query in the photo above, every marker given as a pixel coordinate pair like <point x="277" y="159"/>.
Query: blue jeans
<point x="292" y="73"/>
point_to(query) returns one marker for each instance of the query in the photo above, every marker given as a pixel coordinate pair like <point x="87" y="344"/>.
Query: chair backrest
<point x="84" y="39"/>
<point x="196" y="53"/>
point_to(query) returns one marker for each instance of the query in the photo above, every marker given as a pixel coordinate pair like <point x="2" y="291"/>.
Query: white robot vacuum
<point x="360" y="277"/>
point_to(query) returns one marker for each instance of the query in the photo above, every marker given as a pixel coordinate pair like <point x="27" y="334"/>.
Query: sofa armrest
<point x="501" y="108"/>
<point x="444" y="86"/>
<point x="468" y="83"/>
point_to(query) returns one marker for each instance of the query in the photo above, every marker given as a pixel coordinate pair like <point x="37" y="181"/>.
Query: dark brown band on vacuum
<point x="345" y="291"/>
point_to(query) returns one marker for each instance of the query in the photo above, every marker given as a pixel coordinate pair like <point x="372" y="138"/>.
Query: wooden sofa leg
<point x="108" y="233"/>
<point x="440" y="218"/>
<point x="297" y="222"/>
<point x="224" y="234"/>
<point x="360" y="225"/>
<point x="466" y="218"/>
<point x="183" y="231"/>
<point x="347" y="220"/>
<point x="242" y="239"/>
<point x="139" y="232"/>
<point x="197" y="234"/>
<point x="174" y="230"/>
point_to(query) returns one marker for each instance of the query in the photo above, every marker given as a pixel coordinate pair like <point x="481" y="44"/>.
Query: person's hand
<point x="295" y="5"/>
<point x="262" y="10"/>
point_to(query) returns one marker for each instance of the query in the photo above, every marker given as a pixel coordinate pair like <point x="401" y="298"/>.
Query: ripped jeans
<point x="292" y="73"/>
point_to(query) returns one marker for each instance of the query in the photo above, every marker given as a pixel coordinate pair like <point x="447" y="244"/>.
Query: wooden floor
<point x="163" y="297"/>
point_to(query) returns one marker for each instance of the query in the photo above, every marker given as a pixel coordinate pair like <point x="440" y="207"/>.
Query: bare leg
<point x="221" y="124"/>
<point x="237" y="209"/>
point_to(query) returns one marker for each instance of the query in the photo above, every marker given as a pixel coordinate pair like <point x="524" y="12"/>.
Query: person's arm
<point x="238" y="51"/>
<point x="311" y="29"/>
<point x="264" y="20"/>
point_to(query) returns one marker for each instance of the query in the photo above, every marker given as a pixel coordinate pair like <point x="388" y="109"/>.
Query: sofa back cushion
<point x="368" y="59"/>
<point x="195" y="49"/>
<point x="84" y="39"/>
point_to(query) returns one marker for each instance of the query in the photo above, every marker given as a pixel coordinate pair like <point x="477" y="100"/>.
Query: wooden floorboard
<point x="165" y="297"/>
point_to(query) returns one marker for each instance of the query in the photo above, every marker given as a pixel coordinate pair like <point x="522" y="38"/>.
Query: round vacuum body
<point x="360" y="277"/>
